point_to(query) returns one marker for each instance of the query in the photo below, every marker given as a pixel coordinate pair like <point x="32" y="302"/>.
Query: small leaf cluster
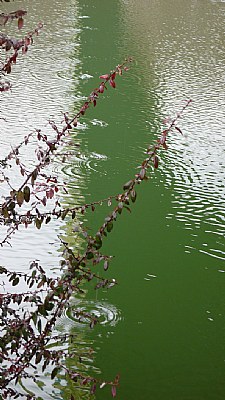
<point x="19" y="14"/>
<point x="13" y="46"/>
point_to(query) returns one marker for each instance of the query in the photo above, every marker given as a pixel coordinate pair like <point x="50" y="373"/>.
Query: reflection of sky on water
<point x="39" y="93"/>
<point x="183" y="52"/>
<point x="49" y="88"/>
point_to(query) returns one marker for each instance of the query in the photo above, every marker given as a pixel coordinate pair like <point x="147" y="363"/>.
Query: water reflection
<point x="184" y="52"/>
<point x="83" y="162"/>
<point x="42" y="91"/>
<point x="39" y="93"/>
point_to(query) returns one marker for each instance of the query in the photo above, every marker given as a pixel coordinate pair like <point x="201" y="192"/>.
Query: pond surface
<point x="163" y="326"/>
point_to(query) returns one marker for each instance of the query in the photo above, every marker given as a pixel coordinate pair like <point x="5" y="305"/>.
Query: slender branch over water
<point x="27" y="319"/>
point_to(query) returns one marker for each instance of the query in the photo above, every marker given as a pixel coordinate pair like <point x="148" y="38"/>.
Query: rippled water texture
<point x="162" y="327"/>
<point x="41" y="82"/>
<point x="182" y="43"/>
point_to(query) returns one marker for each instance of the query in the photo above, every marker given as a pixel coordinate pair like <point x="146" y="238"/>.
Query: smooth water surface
<point x="163" y="326"/>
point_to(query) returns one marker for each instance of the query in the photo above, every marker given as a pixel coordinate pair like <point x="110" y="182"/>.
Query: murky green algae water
<point x="169" y="338"/>
<point x="162" y="327"/>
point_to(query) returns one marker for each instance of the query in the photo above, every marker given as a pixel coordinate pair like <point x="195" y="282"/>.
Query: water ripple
<point x="82" y="163"/>
<point x="107" y="314"/>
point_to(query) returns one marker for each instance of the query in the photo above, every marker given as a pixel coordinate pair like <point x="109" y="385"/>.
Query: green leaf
<point x="109" y="226"/>
<point x="25" y="334"/>
<point x="98" y="238"/>
<point x="42" y="310"/>
<point x="5" y="212"/>
<point x="34" y="318"/>
<point x="38" y="223"/>
<point x="49" y="306"/>
<point x="11" y="205"/>
<point x="20" y="197"/>
<point x="90" y="255"/>
<point x="54" y="372"/>
<point x="64" y="214"/>
<point x="3" y="270"/>
<point x="48" y="219"/>
<point x="15" y="281"/>
<point x="40" y="284"/>
<point x="34" y="176"/>
<point x="39" y="326"/>
<point x="38" y="358"/>
<point x="98" y="242"/>
<point x="26" y="193"/>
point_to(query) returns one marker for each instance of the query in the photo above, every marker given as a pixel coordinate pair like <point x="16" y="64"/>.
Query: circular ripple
<point x="107" y="314"/>
<point x="82" y="162"/>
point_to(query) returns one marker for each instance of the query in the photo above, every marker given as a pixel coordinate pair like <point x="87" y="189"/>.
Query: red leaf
<point x="50" y="193"/>
<point x="24" y="49"/>
<point x="162" y="139"/>
<point x="5" y="20"/>
<point x="113" y="391"/>
<point x="75" y="122"/>
<point x="106" y="265"/>
<point x="14" y="56"/>
<point x="156" y="161"/>
<point x="112" y="83"/>
<point x="101" y="88"/>
<point x="27" y="41"/>
<point x="105" y="77"/>
<point x="7" y="68"/>
<point x="93" y="389"/>
<point x="113" y="76"/>
<point x="8" y="45"/>
<point x="142" y="173"/>
<point x="20" y="13"/>
<point x="20" y="23"/>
